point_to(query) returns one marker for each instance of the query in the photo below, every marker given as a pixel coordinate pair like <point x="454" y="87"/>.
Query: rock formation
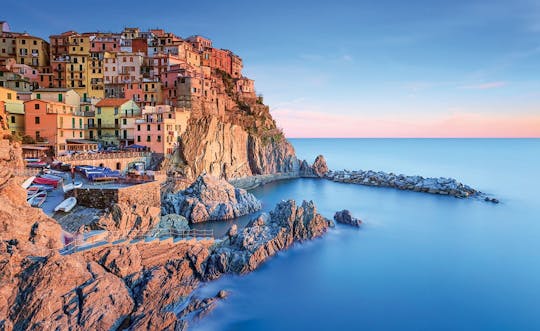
<point x="320" y="169"/>
<point x="345" y="217"/>
<point x="264" y="236"/>
<point x="123" y="220"/>
<point x="209" y="198"/>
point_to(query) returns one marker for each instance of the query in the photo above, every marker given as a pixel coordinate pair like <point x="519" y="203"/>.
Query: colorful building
<point x="160" y="128"/>
<point x="108" y="118"/>
<point x="64" y="95"/>
<point x="14" y="111"/>
<point x="53" y="123"/>
<point x="32" y="51"/>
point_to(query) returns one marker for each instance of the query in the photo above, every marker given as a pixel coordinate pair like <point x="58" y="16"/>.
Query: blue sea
<point x="420" y="261"/>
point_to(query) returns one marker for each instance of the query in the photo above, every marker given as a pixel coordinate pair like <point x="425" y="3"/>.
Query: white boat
<point x="28" y="182"/>
<point x="38" y="199"/>
<point x="66" y="205"/>
<point x="71" y="186"/>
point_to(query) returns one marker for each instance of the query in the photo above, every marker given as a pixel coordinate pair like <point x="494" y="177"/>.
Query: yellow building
<point x="151" y="93"/>
<point x="65" y="95"/>
<point x="108" y="116"/>
<point x="14" y="109"/>
<point x="96" y="87"/>
<point x="77" y="76"/>
<point x="32" y="51"/>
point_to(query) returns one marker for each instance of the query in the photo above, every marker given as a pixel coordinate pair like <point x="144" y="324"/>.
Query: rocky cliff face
<point x="238" y="141"/>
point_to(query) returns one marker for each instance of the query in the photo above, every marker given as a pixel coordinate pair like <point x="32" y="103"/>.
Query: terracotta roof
<point x="112" y="102"/>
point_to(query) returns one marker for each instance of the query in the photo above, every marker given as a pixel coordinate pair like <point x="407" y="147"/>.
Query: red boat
<point x="46" y="181"/>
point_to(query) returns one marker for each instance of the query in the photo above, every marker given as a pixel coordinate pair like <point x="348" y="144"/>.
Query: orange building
<point x="53" y="123"/>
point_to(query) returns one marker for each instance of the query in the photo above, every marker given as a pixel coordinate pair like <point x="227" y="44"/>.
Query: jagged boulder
<point x="171" y="223"/>
<point x="209" y="198"/>
<point x="345" y="217"/>
<point x="128" y="221"/>
<point x="266" y="235"/>
<point x="320" y="169"/>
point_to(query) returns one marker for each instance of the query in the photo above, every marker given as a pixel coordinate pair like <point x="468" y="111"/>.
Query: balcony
<point x="108" y="126"/>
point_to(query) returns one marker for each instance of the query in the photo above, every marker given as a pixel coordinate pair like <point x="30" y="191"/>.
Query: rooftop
<point x="112" y="102"/>
<point x="52" y="89"/>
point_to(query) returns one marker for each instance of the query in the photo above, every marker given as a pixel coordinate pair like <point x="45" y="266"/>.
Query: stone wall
<point x="141" y="194"/>
<point x="115" y="163"/>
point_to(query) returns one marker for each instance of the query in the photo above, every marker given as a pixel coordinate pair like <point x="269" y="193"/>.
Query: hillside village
<point x="80" y="92"/>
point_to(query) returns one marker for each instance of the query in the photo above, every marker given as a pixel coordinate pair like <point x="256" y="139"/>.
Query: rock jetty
<point x="441" y="185"/>
<point x="210" y="199"/>
<point x="345" y="217"/>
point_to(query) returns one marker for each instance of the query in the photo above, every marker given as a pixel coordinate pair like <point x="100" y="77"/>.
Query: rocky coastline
<point x="210" y="199"/>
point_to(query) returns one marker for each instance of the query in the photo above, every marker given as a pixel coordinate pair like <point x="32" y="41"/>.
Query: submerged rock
<point x="210" y="199"/>
<point x="345" y="217"/>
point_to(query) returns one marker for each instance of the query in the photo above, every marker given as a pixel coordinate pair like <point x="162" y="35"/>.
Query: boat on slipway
<point x="66" y="205"/>
<point x="38" y="199"/>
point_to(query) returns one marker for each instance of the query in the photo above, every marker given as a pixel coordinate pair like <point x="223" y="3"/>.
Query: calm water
<point x="420" y="262"/>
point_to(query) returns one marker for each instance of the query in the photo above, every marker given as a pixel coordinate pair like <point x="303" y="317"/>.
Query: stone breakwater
<point x="441" y="185"/>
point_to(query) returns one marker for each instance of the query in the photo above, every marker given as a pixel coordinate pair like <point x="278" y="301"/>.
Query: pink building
<point x="160" y="128"/>
<point x="104" y="42"/>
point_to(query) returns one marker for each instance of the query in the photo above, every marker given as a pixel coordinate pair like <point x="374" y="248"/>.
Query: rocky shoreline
<point x="210" y="199"/>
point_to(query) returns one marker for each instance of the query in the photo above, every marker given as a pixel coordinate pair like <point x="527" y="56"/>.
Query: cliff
<point x="237" y="139"/>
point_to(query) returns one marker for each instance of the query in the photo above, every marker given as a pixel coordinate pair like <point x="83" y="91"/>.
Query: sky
<point x="381" y="68"/>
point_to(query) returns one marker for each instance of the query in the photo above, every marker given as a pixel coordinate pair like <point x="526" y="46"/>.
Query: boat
<point x="71" y="186"/>
<point x="31" y="191"/>
<point x="66" y="205"/>
<point x="28" y="182"/>
<point x="38" y="199"/>
<point x="47" y="188"/>
<point x="54" y="172"/>
<point x="36" y="164"/>
<point x="53" y="177"/>
<point x="46" y="181"/>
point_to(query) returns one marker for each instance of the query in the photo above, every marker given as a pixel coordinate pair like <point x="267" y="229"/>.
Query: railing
<point x="97" y="156"/>
<point x="116" y="237"/>
<point x="25" y="172"/>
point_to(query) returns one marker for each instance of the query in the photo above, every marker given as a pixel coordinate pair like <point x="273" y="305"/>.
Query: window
<point x="59" y="97"/>
<point x="124" y="121"/>
<point x="159" y="139"/>
<point x="80" y="134"/>
<point x="36" y="121"/>
<point x="36" y="106"/>
<point x="148" y="127"/>
<point x="12" y="119"/>
<point x="61" y="133"/>
<point x="9" y="96"/>
<point x="116" y="110"/>
<point x="159" y="127"/>
<point x="148" y="138"/>
<point x="138" y="127"/>
<point x="73" y="123"/>
<point x="37" y="135"/>
<point x="99" y="110"/>
<point x="138" y="139"/>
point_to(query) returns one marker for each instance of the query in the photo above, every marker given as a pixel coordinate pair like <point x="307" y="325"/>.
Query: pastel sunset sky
<point x="381" y="68"/>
